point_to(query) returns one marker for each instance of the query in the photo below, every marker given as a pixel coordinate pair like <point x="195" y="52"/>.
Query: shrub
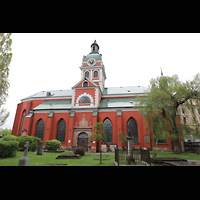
<point x="22" y="141"/>
<point x="79" y="150"/>
<point x="52" y="144"/>
<point x="9" y="138"/>
<point x="33" y="142"/>
<point x="8" y="148"/>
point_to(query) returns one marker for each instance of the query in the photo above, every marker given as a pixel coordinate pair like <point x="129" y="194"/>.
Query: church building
<point x="70" y="115"/>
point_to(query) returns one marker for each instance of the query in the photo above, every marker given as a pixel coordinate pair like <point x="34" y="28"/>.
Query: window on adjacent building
<point x="185" y="120"/>
<point x="183" y="110"/>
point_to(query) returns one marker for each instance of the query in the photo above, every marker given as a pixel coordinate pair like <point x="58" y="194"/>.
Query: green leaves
<point x="5" y="59"/>
<point x="166" y="97"/>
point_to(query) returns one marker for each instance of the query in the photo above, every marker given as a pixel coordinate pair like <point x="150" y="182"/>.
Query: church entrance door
<point x="83" y="140"/>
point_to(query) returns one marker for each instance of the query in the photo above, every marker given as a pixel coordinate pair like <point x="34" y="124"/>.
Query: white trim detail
<point x="85" y="94"/>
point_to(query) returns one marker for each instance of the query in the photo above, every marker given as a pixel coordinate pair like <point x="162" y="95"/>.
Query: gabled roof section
<point x="50" y="94"/>
<point x="80" y="83"/>
<point x="126" y="102"/>
<point x="54" y="105"/>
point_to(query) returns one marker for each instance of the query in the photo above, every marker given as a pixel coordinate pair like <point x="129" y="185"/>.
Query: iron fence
<point x="141" y="156"/>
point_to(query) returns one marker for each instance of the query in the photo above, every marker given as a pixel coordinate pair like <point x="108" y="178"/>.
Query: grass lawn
<point x="187" y="156"/>
<point x="50" y="158"/>
<point x="87" y="160"/>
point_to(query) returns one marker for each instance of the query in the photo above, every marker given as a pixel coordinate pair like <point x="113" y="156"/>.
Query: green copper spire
<point x="161" y="71"/>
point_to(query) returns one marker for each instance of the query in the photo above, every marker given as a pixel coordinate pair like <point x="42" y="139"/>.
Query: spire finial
<point x="161" y="71"/>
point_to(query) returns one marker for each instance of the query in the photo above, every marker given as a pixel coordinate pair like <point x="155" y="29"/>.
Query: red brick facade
<point x="88" y="102"/>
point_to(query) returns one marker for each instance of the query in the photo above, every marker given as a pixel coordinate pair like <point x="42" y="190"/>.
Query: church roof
<point x="96" y="56"/>
<point x="118" y="102"/>
<point x="128" y="90"/>
<point x="50" y="93"/>
<point x="54" y="105"/>
<point x="125" y="90"/>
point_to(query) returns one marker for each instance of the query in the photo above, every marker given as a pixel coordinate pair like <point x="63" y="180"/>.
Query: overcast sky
<point x="51" y="61"/>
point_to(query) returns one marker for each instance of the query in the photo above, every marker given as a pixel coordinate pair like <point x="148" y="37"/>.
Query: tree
<point x="5" y="59"/>
<point x="5" y="132"/>
<point x="99" y="133"/>
<point x="123" y="139"/>
<point x="161" y="107"/>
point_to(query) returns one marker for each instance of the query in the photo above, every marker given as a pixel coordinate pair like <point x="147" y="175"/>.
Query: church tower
<point x="88" y="91"/>
<point x="92" y="66"/>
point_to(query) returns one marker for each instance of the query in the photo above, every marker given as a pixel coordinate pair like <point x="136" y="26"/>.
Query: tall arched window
<point x="132" y="127"/>
<point x="23" y="115"/>
<point x="40" y="129"/>
<point x="61" y="128"/>
<point x="87" y="74"/>
<point x="157" y="131"/>
<point x="108" y="130"/>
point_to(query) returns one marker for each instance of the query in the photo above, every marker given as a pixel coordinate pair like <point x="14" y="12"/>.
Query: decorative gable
<point x="85" y="82"/>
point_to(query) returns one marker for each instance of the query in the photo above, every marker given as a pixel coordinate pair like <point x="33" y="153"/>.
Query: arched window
<point x="108" y="130"/>
<point x="61" y="128"/>
<point x="40" y="129"/>
<point x="83" y="135"/>
<point x="132" y="127"/>
<point x="158" y="132"/>
<point x="87" y="74"/>
<point x="85" y="84"/>
<point x="84" y="99"/>
<point x="23" y="115"/>
<point x="95" y="74"/>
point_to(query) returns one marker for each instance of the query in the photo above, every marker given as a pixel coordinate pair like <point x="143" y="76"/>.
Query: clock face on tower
<point x="91" y="61"/>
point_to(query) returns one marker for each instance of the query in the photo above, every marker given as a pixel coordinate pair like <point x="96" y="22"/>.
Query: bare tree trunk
<point x="176" y="147"/>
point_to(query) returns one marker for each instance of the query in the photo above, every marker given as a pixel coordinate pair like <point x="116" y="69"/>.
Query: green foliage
<point x="122" y="138"/>
<point x="8" y="148"/>
<point x="33" y="142"/>
<point x="99" y="133"/>
<point x="79" y="150"/>
<point x="10" y="138"/>
<point x="5" y="59"/>
<point x="5" y="131"/>
<point x="161" y="107"/>
<point x="52" y="144"/>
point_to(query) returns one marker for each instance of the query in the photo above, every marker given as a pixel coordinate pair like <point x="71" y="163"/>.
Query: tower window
<point x="87" y="74"/>
<point x="85" y="84"/>
<point x="95" y="74"/>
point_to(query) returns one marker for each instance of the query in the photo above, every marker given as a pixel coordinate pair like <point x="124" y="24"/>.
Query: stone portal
<point x="82" y="133"/>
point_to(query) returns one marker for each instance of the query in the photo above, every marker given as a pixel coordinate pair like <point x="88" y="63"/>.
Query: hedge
<point x="33" y="141"/>
<point x="8" y="148"/>
<point x="52" y="144"/>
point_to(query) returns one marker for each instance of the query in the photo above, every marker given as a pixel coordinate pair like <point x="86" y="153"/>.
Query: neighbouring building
<point x="69" y="115"/>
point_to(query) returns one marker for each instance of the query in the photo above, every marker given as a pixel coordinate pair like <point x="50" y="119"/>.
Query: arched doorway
<point x="83" y="140"/>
